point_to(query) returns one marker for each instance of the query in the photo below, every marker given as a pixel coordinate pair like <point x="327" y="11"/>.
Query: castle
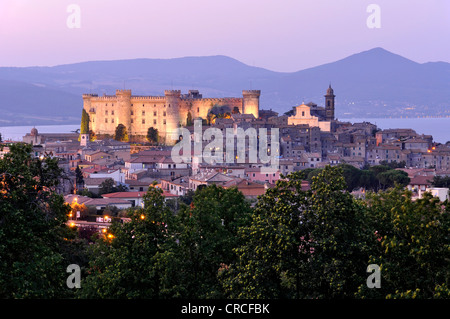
<point x="165" y="113"/>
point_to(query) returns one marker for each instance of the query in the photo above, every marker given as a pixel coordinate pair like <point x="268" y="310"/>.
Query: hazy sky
<point x="281" y="35"/>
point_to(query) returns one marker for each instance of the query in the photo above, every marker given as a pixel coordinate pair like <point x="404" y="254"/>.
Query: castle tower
<point x="250" y="102"/>
<point x="123" y="109"/>
<point x="172" y="119"/>
<point x="329" y="104"/>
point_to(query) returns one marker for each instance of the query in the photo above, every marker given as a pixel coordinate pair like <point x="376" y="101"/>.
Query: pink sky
<point x="284" y="35"/>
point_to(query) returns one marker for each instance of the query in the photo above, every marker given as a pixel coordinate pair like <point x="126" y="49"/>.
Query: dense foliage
<point x="36" y="246"/>
<point x="294" y="243"/>
<point x="152" y="135"/>
<point x="84" y="128"/>
<point x="121" y="133"/>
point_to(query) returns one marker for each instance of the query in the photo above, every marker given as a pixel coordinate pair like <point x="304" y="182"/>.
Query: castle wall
<point x="165" y="113"/>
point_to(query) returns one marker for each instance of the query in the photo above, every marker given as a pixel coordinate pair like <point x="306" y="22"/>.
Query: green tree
<point x="352" y="176"/>
<point x="189" y="121"/>
<point x="368" y="180"/>
<point x="125" y="261"/>
<point x="109" y="186"/>
<point x="412" y="246"/>
<point x="207" y="233"/>
<point x="302" y="244"/>
<point x="269" y="260"/>
<point x="339" y="237"/>
<point x="394" y="164"/>
<point x="34" y="238"/>
<point x="152" y="135"/>
<point x="79" y="180"/>
<point x="441" y="181"/>
<point x="84" y="129"/>
<point x="121" y="133"/>
<point x="392" y="177"/>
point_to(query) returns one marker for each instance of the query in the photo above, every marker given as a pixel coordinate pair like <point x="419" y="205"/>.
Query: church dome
<point x="34" y="132"/>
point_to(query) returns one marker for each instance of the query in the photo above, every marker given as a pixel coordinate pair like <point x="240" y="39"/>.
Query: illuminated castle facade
<point x="165" y="113"/>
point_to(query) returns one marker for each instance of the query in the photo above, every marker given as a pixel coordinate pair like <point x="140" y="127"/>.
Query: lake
<point x="438" y="127"/>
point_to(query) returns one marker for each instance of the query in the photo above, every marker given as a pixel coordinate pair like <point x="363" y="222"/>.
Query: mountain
<point x="368" y="84"/>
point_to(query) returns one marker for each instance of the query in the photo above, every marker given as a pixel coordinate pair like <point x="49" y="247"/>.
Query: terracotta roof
<point x="132" y="195"/>
<point x="135" y="182"/>
<point x="94" y="201"/>
<point x="421" y="180"/>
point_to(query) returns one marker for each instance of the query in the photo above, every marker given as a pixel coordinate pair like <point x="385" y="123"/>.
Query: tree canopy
<point x="121" y="133"/>
<point x="294" y="243"/>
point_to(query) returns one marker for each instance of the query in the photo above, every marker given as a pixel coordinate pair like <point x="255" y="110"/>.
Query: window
<point x="131" y="120"/>
<point x="303" y="113"/>
<point x="143" y="113"/>
<point x="198" y="109"/>
<point x="112" y="112"/>
<point x="154" y="122"/>
<point x="143" y="121"/>
<point x="106" y="120"/>
<point x="164" y="114"/>
<point x="154" y="113"/>
<point x="132" y="113"/>
<point x="106" y="112"/>
<point x="112" y="120"/>
<point x="164" y="122"/>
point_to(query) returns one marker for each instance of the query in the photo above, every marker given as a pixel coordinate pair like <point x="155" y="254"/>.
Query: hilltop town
<point x="103" y="171"/>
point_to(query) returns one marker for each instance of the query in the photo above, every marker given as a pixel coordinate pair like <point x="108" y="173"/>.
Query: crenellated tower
<point x="250" y="102"/>
<point x="172" y="119"/>
<point x="123" y="109"/>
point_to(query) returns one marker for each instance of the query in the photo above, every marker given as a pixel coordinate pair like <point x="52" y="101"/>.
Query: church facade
<point x="316" y="116"/>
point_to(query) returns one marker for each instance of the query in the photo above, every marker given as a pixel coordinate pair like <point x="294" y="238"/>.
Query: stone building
<point x="316" y="116"/>
<point x="165" y="113"/>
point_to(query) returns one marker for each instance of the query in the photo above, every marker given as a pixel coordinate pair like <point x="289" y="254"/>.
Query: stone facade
<point x="316" y="116"/>
<point x="165" y="113"/>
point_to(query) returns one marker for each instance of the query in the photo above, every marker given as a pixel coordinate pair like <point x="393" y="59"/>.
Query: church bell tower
<point x="329" y="104"/>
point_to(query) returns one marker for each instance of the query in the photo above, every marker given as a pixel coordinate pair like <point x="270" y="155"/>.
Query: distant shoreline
<point x="435" y="126"/>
